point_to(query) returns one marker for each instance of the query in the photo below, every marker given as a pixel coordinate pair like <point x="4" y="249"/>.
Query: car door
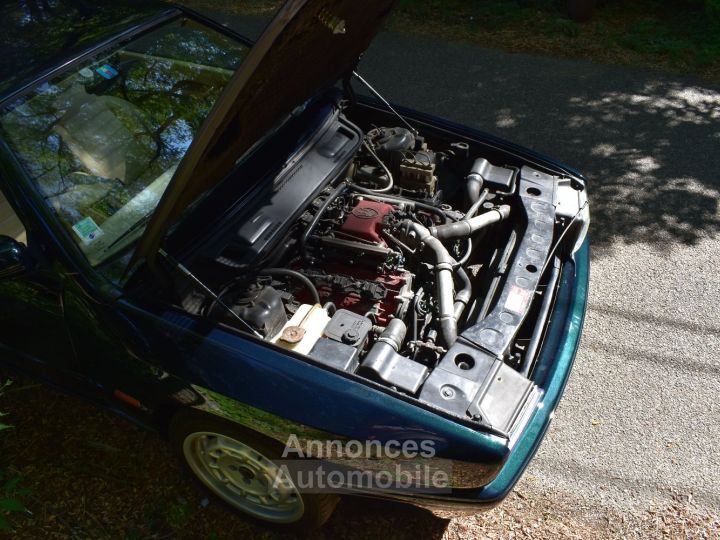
<point x="113" y="355"/>
<point x="55" y="327"/>
<point x="33" y="333"/>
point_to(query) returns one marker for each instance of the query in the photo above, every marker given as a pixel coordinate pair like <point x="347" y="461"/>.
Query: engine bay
<point x="416" y="263"/>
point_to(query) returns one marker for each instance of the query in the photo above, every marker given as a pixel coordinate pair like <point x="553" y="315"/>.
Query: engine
<point x="389" y="263"/>
<point x="367" y="254"/>
<point x="353" y="266"/>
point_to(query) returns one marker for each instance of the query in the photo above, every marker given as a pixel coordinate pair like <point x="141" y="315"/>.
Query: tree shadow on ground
<point x="649" y="145"/>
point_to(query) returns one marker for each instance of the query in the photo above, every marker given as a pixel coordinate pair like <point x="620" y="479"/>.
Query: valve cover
<point x="365" y="221"/>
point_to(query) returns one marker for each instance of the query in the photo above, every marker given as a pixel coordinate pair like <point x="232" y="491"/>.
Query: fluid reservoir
<point x="304" y="329"/>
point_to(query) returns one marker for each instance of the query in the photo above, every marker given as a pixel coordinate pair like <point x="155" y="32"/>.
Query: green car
<point x="311" y="292"/>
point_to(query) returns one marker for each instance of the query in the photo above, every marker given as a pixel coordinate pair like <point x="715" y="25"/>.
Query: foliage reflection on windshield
<point x="102" y="141"/>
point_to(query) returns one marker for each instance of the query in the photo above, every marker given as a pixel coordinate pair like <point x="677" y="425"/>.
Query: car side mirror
<point x="14" y="258"/>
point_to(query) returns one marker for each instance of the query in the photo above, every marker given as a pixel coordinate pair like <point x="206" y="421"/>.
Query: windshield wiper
<point x="134" y="227"/>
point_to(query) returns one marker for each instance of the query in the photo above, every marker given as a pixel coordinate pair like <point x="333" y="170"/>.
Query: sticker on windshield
<point x="87" y="230"/>
<point x="107" y="71"/>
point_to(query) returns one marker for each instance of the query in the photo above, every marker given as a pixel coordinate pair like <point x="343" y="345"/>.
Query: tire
<point x="227" y="459"/>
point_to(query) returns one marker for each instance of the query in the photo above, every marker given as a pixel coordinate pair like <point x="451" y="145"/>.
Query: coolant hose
<point x="464" y="295"/>
<point x="477" y="204"/>
<point x="466" y="227"/>
<point x="474" y="183"/>
<point x="443" y="279"/>
<point x="380" y="162"/>
<point x="394" y="334"/>
<point x="309" y="285"/>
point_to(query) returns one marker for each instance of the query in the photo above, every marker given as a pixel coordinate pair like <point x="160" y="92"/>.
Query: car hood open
<point x="308" y="46"/>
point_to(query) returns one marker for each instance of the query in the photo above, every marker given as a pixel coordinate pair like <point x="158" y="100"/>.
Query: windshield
<point x="102" y="141"/>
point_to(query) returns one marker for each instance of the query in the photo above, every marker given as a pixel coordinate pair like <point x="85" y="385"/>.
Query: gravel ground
<point x="633" y="451"/>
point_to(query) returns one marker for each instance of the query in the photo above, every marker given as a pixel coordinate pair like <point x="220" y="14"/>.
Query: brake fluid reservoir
<point x="304" y="329"/>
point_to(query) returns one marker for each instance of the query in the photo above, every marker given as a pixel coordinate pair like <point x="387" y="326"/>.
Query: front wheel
<point x="238" y="466"/>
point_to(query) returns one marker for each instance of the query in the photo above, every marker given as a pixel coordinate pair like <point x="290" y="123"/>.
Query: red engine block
<point x="364" y="223"/>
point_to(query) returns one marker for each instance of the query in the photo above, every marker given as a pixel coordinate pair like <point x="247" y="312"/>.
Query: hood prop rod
<point x="384" y="101"/>
<point x="187" y="273"/>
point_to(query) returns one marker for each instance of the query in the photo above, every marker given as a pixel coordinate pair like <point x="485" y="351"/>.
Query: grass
<point x="9" y="485"/>
<point x="675" y="36"/>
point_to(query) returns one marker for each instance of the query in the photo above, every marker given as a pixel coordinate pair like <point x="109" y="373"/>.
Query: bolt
<point x="447" y="392"/>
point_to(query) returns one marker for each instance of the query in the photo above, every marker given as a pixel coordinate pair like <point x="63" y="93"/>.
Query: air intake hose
<point x="443" y="279"/>
<point x="466" y="227"/>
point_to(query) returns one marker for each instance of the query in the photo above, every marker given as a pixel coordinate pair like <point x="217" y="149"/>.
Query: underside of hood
<point x="308" y="46"/>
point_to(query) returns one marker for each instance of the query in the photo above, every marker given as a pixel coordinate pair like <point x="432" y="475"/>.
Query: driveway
<point x="639" y="425"/>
